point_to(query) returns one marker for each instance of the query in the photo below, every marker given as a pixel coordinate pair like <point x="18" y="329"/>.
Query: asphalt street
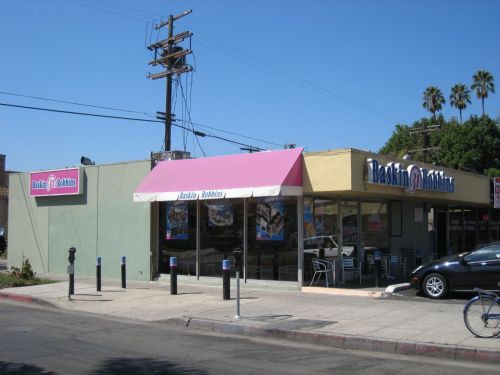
<point x="48" y="341"/>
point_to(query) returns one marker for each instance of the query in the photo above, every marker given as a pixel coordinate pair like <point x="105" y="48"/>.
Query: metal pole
<point x="173" y="275"/>
<point x="237" y="316"/>
<point x="124" y="264"/>
<point x="198" y="239"/>
<point x="98" y="274"/>
<point x="245" y="240"/>
<point x="300" y="241"/>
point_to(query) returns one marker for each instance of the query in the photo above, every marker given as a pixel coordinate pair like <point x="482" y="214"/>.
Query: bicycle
<point x="482" y="314"/>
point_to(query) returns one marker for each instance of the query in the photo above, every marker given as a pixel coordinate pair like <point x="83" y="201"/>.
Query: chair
<point x="323" y="267"/>
<point x="384" y="266"/>
<point x="349" y="265"/>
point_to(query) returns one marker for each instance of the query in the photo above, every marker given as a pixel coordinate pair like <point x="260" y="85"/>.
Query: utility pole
<point x="173" y="59"/>
<point x="425" y="130"/>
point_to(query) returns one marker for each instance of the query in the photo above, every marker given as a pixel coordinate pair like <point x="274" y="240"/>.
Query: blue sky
<point x="321" y="74"/>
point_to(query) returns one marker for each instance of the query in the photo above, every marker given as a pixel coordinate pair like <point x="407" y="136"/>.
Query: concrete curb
<point x="397" y="288"/>
<point x="25" y="299"/>
<point x="451" y="352"/>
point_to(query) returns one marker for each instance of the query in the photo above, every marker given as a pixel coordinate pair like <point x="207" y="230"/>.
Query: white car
<point x="313" y="245"/>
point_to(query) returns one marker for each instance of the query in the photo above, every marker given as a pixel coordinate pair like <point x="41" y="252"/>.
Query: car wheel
<point x="435" y="285"/>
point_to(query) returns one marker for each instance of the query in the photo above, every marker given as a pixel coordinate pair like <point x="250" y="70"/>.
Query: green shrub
<point x="25" y="272"/>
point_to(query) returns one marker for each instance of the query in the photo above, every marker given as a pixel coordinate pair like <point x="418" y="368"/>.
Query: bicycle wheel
<point x="477" y="313"/>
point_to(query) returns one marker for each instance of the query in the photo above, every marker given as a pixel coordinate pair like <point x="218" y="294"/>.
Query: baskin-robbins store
<point x="281" y="208"/>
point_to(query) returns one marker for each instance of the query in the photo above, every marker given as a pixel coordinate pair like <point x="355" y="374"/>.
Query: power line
<point x="126" y="118"/>
<point x="270" y="69"/>
<point x="137" y="112"/>
<point x="73" y="103"/>
<point x="77" y="113"/>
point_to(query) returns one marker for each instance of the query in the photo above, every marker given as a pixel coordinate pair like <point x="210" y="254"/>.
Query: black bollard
<point x="71" y="271"/>
<point x="226" y="279"/>
<point x="124" y="272"/>
<point x="98" y="274"/>
<point x="173" y="275"/>
<point x="377" y="257"/>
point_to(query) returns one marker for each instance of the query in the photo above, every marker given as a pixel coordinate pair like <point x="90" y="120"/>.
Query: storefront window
<point x="221" y="231"/>
<point x="470" y="228"/>
<point x="320" y="217"/>
<point x="455" y="228"/>
<point x="374" y="224"/>
<point x="484" y="219"/>
<point x="178" y="236"/>
<point x="272" y="238"/>
<point x="495" y="225"/>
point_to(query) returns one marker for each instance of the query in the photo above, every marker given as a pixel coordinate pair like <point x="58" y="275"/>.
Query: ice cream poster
<point x="177" y="221"/>
<point x="220" y="215"/>
<point x="270" y="219"/>
<point x="308" y="217"/>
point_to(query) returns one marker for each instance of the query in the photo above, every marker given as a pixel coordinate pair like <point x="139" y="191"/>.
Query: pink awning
<point x="260" y="174"/>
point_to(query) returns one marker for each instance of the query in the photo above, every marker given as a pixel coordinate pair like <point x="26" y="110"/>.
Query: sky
<point x="321" y="74"/>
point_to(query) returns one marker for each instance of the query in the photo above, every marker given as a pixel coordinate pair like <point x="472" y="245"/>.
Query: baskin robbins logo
<point x="204" y="194"/>
<point x="56" y="182"/>
<point x="52" y="183"/>
<point x="412" y="178"/>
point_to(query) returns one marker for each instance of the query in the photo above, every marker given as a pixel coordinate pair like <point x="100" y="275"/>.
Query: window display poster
<point x="220" y="215"/>
<point x="177" y="221"/>
<point x="270" y="219"/>
<point x="374" y="223"/>
<point x="308" y="217"/>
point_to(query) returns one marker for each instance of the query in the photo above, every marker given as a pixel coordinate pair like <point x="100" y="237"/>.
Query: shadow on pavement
<point x="134" y="366"/>
<point x="11" y="368"/>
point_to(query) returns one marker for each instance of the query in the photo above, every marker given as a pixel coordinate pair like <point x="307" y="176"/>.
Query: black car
<point x="460" y="273"/>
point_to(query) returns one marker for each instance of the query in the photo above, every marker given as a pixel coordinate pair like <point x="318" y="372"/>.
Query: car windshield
<point x="485" y="254"/>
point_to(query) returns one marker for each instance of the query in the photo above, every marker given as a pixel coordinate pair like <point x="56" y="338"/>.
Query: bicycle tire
<point x="475" y="316"/>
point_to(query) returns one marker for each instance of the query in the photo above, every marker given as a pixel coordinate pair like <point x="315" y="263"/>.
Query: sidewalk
<point x="354" y="319"/>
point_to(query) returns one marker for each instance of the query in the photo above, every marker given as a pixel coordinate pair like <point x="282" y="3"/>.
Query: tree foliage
<point x="483" y="84"/>
<point x="460" y="97"/>
<point x="433" y="100"/>
<point x="473" y="146"/>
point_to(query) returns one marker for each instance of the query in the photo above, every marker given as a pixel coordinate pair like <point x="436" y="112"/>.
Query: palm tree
<point x="433" y="100"/>
<point x="460" y="97"/>
<point x="483" y="83"/>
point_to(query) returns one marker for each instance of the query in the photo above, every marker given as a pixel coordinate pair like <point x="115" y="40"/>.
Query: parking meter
<point x="238" y="259"/>
<point x="238" y="265"/>
<point x="71" y="271"/>
<point x="71" y="256"/>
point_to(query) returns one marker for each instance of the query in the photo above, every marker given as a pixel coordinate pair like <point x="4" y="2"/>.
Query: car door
<point x="484" y="266"/>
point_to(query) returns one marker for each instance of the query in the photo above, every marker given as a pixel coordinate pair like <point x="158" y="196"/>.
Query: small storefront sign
<point x="412" y="178"/>
<point x="56" y="182"/>
<point x="496" y="192"/>
<point x="203" y="194"/>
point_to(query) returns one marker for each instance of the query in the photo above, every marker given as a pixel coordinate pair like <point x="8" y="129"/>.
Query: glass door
<point x="350" y="227"/>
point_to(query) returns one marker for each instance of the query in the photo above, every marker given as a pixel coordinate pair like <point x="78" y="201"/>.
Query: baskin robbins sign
<point x="203" y="194"/>
<point x="411" y="178"/>
<point x="57" y="182"/>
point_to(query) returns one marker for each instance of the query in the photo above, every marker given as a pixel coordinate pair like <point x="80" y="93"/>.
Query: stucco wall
<point x="103" y="221"/>
<point x="326" y="172"/>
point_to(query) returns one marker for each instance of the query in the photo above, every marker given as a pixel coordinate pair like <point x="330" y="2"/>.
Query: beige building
<point x="366" y="205"/>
